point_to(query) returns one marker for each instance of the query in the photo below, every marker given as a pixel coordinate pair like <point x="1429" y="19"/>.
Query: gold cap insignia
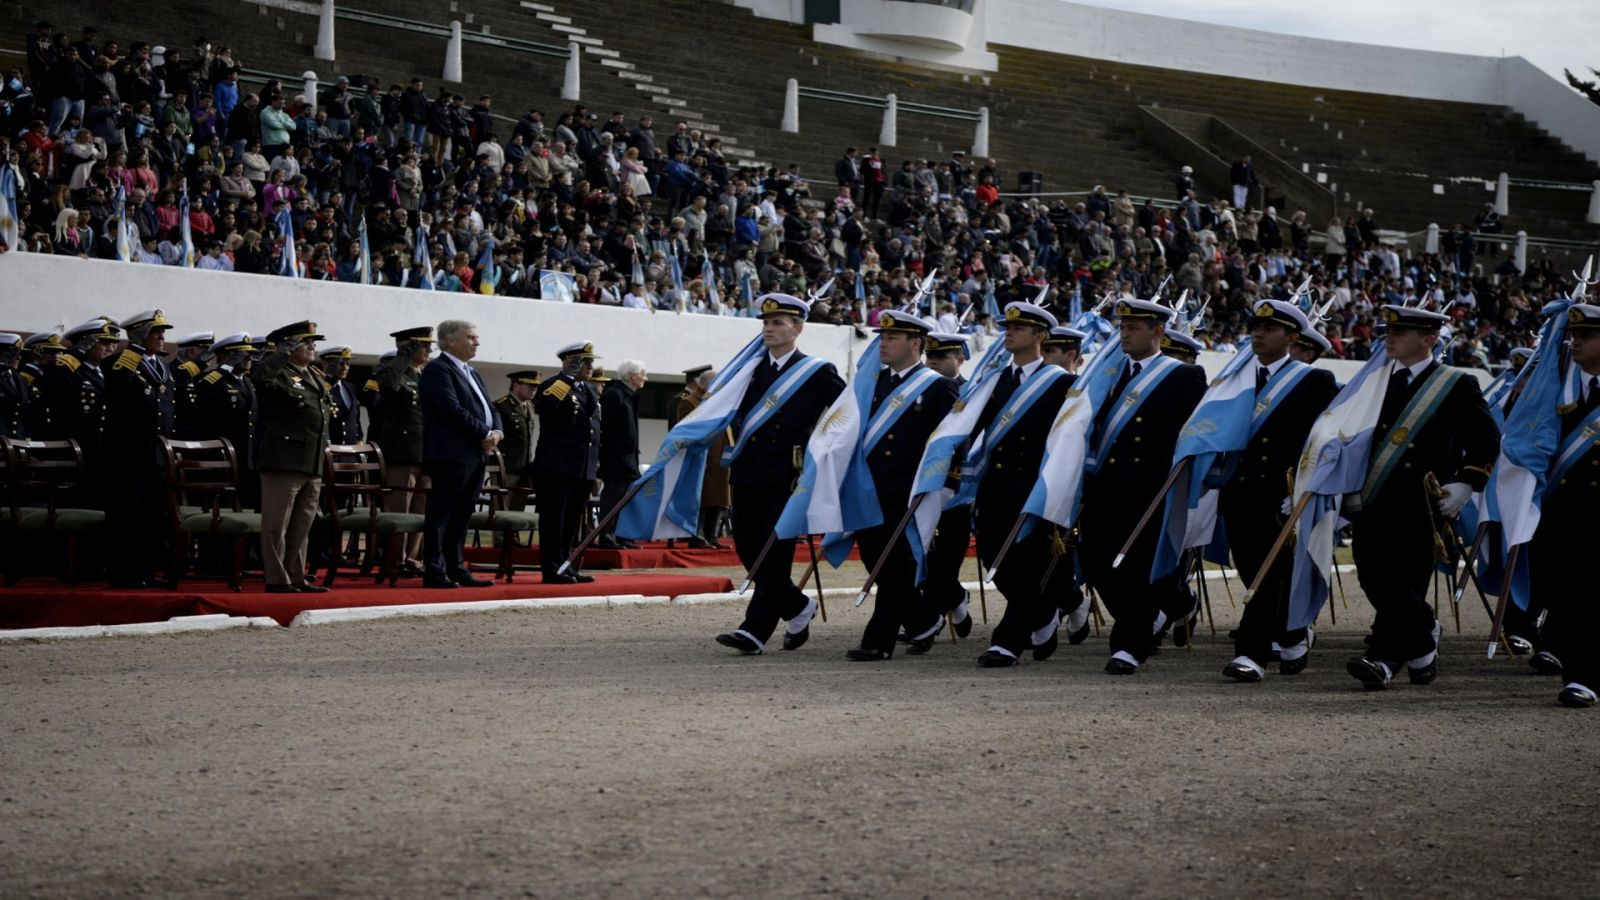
<point x="1013" y="313"/>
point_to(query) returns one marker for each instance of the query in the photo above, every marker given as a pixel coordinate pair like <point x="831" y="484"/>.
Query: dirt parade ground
<point x="621" y="752"/>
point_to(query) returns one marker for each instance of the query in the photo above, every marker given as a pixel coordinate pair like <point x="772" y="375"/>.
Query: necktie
<point x="1592" y="395"/>
<point x="1400" y="379"/>
<point x="1262" y="374"/>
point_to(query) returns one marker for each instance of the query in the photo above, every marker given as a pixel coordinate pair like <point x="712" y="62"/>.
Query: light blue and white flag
<point x="119" y="205"/>
<point x="991" y="307"/>
<point x="1058" y="492"/>
<point x="708" y="274"/>
<point x="1097" y="327"/>
<point x="186" y="257"/>
<point x="488" y="272"/>
<point x="422" y="260"/>
<point x="1334" y="464"/>
<point x="10" y="229"/>
<point x="558" y="286"/>
<point x="667" y="504"/>
<point x="364" y="265"/>
<point x="287" y="263"/>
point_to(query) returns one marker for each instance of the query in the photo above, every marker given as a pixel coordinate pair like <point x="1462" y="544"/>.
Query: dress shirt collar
<point x="780" y="361"/>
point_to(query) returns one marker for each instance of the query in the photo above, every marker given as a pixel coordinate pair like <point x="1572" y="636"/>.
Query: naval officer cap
<point x="197" y="339"/>
<point x="946" y="342"/>
<point x="44" y="340"/>
<point x="1522" y="353"/>
<point x="7" y="339"/>
<point x="1277" y="312"/>
<point x="1067" y="338"/>
<point x="100" y="328"/>
<point x="579" y="350"/>
<point x="1178" y="342"/>
<point x="902" y="323"/>
<point x="1313" y="339"/>
<point x="783" y="305"/>
<point x="1583" y="315"/>
<point x="339" y="350"/>
<point x="1395" y="315"/>
<point x="149" y="320"/>
<point x="1134" y="308"/>
<point x="235" y="343"/>
<point x="1022" y="313"/>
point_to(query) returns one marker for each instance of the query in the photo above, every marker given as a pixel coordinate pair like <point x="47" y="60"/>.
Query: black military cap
<point x="423" y="334"/>
<point x="526" y="376"/>
<point x="696" y="372"/>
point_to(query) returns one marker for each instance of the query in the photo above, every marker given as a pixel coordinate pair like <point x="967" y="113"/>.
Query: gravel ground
<point x="555" y="753"/>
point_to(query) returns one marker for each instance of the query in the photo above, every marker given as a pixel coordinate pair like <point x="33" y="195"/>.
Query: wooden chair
<point x="203" y="497"/>
<point x="356" y="472"/>
<point x="43" y="479"/>
<point x="503" y="522"/>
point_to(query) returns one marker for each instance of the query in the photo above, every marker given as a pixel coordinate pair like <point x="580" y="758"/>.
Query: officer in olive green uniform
<point x="188" y="366"/>
<point x="139" y="413"/>
<point x="295" y="410"/>
<point x="398" y="433"/>
<point x="516" y="448"/>
<point x="228" y="409"/>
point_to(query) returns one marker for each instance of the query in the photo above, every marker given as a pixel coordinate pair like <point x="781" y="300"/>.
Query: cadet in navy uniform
<point x="1433" y="420"/>
<point x="188" y="367"/>
<point x="1064" y="348"/>
<point x="1182" y="347"/>
<point x="566" y="459"/>
<point x="770" y="433"/>
<point x="1132" y="464"/>
<point x="893" y="461"/>
<point x="139" y="411"/>
<point x="39" y="351"/>
<point x="1258" y="487"/>
<point x="945" y="352"/>
<point x="228" y="408"/>
<point x="346" y="425"/>
<point x="1309" y="345"/>
<point x="1015" y="453"/>
<point x="1561" y="546"/>
<point x="75" y="388"/>
<point x="14" y="412"/>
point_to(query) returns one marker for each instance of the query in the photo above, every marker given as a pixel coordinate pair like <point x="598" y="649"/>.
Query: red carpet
<point x="650" y="555"/>
<point x="41" y="603"/>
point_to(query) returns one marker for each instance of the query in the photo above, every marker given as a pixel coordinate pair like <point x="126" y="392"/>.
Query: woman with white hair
<point x="71" y="238"/>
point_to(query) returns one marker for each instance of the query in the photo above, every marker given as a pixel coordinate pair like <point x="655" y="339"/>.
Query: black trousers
<point x="1133" y="599"/>
<point x="943" y="585"/>
<point x="1557" y="556"/>
<point x="1021" y="577"/>
<point x="1252" y="529"/>
<point x="611" y="493"/>
<point x="899" y="603"/>
<point x="559" y="500"/>
<point x="136" y="520"/>
<point x="451" y="499"/>
<point x="1394" y="563"/>
<point x="774" y="597"/>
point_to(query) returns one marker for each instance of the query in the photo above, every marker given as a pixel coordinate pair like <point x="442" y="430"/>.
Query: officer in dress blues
<point x="1014" y="425"/>
<point x="39" y="351"/>
<point x="188" y="365"/>
<point x="945" y="352"/>
<point x="1562" y="545"/>
<point x="1309" y="345"/>
<point x="346" y="425"/>
<point x="14" y="413"/>
<point x="773" y="431"/>
<point x="139" y="413"/>
<point x="566" y="459"/>
<point x="1184" y="348"/>
<point x="1134" y="448"/>
<point x="228" y="407"/>
<point x="75" y="388"/>
<point x="1252" y="496"/>
<point x="1064" y="348"/>
<point x="919" y="398"/>
<point x="1433" y="421"/>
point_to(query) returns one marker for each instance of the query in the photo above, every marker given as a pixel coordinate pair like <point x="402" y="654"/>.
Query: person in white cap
<point x="187" y="365"/>
<point x="566" y="459"/>
<point x="945" y="353"/>
<point x="14" y="412"/>
<point x="75" y="389"/>
<point x="139" y="408"/>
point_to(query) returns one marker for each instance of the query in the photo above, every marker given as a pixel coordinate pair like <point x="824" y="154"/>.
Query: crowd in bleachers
<point x="172" y="158"/>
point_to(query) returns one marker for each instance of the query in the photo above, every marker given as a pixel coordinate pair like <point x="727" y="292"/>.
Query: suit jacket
<point x="456" y="423"/>
<point x="1135" y="466"/>
<point x="893" y="461"/>
<point x="769" y="456"/>
<point x="619" y="432"/>
<point x="569" y="428"/>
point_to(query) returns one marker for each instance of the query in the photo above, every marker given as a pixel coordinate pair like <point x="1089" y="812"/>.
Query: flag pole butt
<point x="861" y="598"/>
<point x="1248" y="595"/>
<point x="1492" y="647"/>
<point x="564" y="567"/>
<point x="744" y="586"/>
<point x="1117" y="563"/>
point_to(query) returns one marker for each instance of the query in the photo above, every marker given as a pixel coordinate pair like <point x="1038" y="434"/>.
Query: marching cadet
<point x="75" y="388"/>
<point x="1181" y="347"/>
<point x="566" y="459"/>
<point x="15" y="415"/>
<point x="295" y="410"/>
<point x="1064" y="348"/>
<point x="714" y="494"/>
<point x="909" y="400"/>
<point x="516" y="448"/>
<point x="1130" y="452"/>
<point x="787" y="393"/>
<point x="1289" y="397"/>
<point x="188" y="365"/>
<point x="228" y="409"/>
<point x="345" y="428"/>
<point x="944" y="353"/>
<point x="1309" y="345"/>
<point x="39" y="351"/>
<point x="1561" y="545"/>
<point x="139" y="411"/>
<point x="1433" y="421"/>
<point x="398" y="432"/>
<point x="1014" y="425"/>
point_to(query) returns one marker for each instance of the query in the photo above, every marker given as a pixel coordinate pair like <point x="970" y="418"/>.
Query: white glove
<point x="1285" y="508"/>
<point x="1456" y="495"/>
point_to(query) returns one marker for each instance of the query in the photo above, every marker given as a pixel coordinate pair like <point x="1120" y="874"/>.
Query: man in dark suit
<point x="619" y="442"/>
<point x="1243" y="178"/>
<point x="462" y="426"/>
<point x="1448" y="432"/>
<point x="566" y="459"/>
<point x="848" y="173"/>
<point x="786" y="394"/>
<point x="918" y="398"/>
<point x="1251" y="499"/>
<point x="1134" y="453"/>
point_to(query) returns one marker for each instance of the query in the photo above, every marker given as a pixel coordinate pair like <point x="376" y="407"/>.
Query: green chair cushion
<point x="227" y="523"/>
<point x="65" y="520"/>
<point x="504" y="521"/>
<point x="358" y="519"/>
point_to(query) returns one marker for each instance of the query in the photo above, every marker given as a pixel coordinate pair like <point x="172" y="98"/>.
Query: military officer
<point x="1064" y="348"/>
<point x="1433" y="420"/>
<point x="1182" y="347"/>
<point x="39" y="351"/>
<point x="516" y="448"/>
<point x="909" y="401"/>
<point x="371" y="396"/>
<point x="15" y="415"/>
<point x="188" y="365"/>
<point x="1290" y="395"/>
<point x="1131" y="453"/>
<point x="1309" y="345"/>
<point x="228" y="408"/>
<point x="296" y="407"/>
<point x="139" y="413"/>
<point x="398" y="432"/>
<point x="714" y="494"/>
<point x="75" y="388"/>
<point x="346" y="425"/>
<point x="945" y="353"/>
<point x="786" y="394"/>
<point x="566" y="459"/>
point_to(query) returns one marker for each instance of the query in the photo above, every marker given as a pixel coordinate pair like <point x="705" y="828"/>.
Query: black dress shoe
<point x="558" y="578"/>
<point x="963" y="627"/>
<point x="438" y="583"/>
<point x="1520" y="646"/>
<point x="994" y="659"/>
<point x="467" y="579"/>
<point x="607" y="543"/>
<point x="1424" y="675"/>
<point x="1293" y="666"/>
<point x="1239" y="671"/>
<point x="867" y="654"/>
<point x="923" y="645"/>
<point x="627" y="544"/>
<point x="1545" y="663"/>
<point x="1576" y="696"/>
<point x="1077" y="637"/>
<point x="739" y="642"/>
<point x="796" y="640"/>
<point x="1044" y="651"/>
<point x="1374" y="675"/>
<point x="580" y="578"/>
<point x="717" y="545"/>
<point x="309" y="588"/>
<point x="1116" y="666"/>
<point x="698" y="543"/>
<point x="282" y="589"/>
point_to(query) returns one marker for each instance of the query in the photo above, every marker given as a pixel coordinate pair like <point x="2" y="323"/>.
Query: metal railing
<point x="1159" y="202"/>
<point x="875" y="102"/>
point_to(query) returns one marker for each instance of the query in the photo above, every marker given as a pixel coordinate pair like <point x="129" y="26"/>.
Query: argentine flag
<point x="1334" y="464"/>
<point x="1057" y="494"/>
<point x="9" y="228"/>
<point x="489" y="273"/>
<point x="365" y="266"/>
<point x="287" y="264"/>
<point x="422" y="260"/>
<point x="667" y="503"/>
<point x="186" y="260"/>
<point x="708" y="274"/>
<point x="124" y="244"/>
<point x="557" y="286"/>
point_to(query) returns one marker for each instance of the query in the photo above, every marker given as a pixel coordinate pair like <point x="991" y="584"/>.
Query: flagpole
<point x="1160" y="498"/>
<point x="1277" y="545"/>
<point x="1011" y="538"/>
<point x="816" y="573"/>
<point x="761" y="557"/>
<point x="877" y="567"/>
<point x="1471" y="559"/>
<point x="1499" y="619"/>
<point x="590" y="538"/>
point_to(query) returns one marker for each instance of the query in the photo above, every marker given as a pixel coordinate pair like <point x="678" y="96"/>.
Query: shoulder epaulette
<point x="71" y="362"/>
<point x="558" y="390"/>
<point x="27" y="377"/>
<point x="213" y="377"/>
<point x="190" y="368"/>
<point x="128" y="361"/>
<point x="371" y="385"/>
